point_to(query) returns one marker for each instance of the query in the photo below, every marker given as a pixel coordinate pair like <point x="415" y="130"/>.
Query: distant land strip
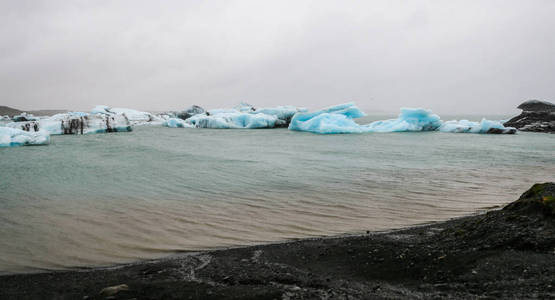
<point x="6" y="110"/>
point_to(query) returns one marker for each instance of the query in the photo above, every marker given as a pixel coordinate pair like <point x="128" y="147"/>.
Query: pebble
<point x="112" y="290"/>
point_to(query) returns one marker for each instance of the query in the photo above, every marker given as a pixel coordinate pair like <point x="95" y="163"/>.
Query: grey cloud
<point x="450" y="56"/>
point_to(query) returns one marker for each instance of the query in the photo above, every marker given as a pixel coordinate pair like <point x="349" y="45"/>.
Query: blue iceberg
<point x="340" y="119"/>
<point x="410" y="119"/>
<point x="11" y="137"/>
<point x="335" y="119"/>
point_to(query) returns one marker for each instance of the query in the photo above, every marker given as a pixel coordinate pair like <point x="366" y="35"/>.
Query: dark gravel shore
<point x="508" y="253"/>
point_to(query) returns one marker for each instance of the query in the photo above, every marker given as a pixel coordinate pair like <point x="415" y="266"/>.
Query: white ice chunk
<point x="76" y="123"/>
<point x="245" y="116"/>
<point x="485" y="126"/>
<point x="226" y="120"/>
<point x="10" y="137"/>
<point x="24" y="117"/>
<point x="135" y="117"/>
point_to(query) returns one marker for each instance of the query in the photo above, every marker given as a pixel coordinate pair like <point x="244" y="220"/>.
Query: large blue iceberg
<point x="11" y="137"/>
<point x="340" y="119"/>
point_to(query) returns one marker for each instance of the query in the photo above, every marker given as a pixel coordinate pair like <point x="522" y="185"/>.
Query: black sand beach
<point x="507" y="253"/>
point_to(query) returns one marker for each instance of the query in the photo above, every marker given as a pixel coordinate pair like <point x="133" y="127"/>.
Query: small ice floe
<point x="12" y="137"/>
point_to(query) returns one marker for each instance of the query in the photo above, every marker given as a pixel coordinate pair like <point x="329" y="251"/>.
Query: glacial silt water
<point x="104" y="199"/>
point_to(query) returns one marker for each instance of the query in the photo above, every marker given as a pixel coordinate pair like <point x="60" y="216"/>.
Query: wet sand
<point x="507" y="253"/>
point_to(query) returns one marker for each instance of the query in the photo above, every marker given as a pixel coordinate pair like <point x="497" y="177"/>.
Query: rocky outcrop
<point x="537" y="116"/>
<point x="540" y="197"/>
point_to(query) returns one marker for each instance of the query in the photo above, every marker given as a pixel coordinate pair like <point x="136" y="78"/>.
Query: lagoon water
<point x="104" y="199"/>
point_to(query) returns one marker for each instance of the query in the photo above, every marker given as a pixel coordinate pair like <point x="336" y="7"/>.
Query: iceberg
<point x="410" y="119"/>
<point x="334" y="119"/>
<point x="485" y="126"/>
<point x="29" y="126"/>
<point x="242" y="116"/>
<point x="135" y="117"/>
<point x="176" y="123"/>
<point x="283" y="113"/>
<point x="76" y="123"/>
<point x="24" y="117"/>
<point x="11" y="137"/>
<point x="232" y="120"/>
<point x="340" y="119"/>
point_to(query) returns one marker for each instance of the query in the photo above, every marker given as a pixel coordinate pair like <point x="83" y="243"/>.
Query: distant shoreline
<point x="505" y="253"/>
<point x="9" y="111"/>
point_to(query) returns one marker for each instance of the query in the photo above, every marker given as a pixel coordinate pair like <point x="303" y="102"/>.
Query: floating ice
<point x="410" y="119"/>
<point x="24" y="117"/>
<point x="232" y="120"/>
<point x="485" y="126"/>
<point x="10" y="137"/>
<point x="176" y="123"/>
<point x="283" y="113"/>
<point x="339" y="119"/>
<point x="334" y="119"/>
<point x="245" y="116"/>
<point x="76" y="123"/>
<point x="135" y="117"/>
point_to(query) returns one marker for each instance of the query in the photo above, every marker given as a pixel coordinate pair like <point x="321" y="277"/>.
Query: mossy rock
<point x="540" y="197"/>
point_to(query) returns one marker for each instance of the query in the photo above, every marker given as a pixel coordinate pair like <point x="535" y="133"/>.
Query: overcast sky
<point x="449" y="56"/>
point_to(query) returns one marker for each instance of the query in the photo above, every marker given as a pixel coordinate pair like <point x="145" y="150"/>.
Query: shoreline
<point x="184" y="252"/>
<point x="505" y="253"/>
